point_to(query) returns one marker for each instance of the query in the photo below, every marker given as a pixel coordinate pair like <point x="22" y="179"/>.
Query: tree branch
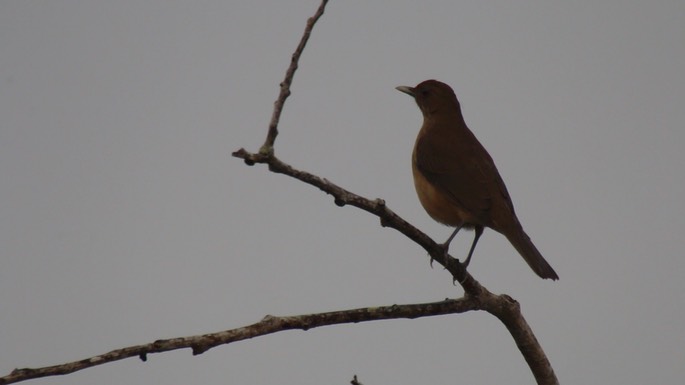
<point x="476" y="297"/>
<point x="268" y="325"/>
<point x="268" y="146"/>
<point x="505" y="308"/>
<point x="377" y="207"/>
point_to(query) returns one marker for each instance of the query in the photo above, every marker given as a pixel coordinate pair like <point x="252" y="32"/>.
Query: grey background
<point x="124" y="219"/>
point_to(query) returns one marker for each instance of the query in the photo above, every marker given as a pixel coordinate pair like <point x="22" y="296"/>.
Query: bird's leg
<point x="479" y="232"/>
<point x="446" y="245"/>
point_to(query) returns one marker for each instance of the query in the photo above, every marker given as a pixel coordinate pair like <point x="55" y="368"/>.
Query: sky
<point x="124" y="219"/>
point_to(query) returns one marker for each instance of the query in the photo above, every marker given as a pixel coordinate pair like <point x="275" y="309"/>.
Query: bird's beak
<point x="407" y="90"/>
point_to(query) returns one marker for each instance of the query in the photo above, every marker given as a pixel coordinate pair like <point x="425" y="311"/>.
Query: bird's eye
<point x="425" y="93"/>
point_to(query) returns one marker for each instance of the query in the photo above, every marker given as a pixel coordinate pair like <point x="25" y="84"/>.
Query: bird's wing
<point x="463" y="169"/>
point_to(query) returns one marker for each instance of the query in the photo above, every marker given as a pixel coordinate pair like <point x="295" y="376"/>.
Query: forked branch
<point x="476" y="297"/>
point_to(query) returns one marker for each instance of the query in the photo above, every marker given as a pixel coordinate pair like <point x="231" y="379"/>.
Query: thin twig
<point x="268" y="146"/>
<point x="268" y="325"/>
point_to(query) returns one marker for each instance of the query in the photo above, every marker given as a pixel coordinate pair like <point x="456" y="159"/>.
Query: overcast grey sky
<point x="124" y="219"/>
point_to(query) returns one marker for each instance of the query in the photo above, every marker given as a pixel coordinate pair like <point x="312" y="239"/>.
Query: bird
<point x="456" y="179"/>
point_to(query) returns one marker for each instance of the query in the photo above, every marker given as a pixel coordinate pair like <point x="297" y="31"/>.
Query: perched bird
<point x="457" y="181"/>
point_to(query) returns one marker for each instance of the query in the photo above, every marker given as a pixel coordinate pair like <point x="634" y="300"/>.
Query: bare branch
<point x="505" y="308"/>
<point x="268" y="325"/>
<point x="377" y="207"/>
<point x="268" y="146"/>
<point x="508" y="310"/>
<point x="476" y="297"/>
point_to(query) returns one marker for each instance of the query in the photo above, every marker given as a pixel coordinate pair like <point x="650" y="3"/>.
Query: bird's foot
<point x="445" y="247"/>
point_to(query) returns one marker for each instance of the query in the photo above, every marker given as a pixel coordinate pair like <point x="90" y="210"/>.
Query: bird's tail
<point x="521" y="241"/>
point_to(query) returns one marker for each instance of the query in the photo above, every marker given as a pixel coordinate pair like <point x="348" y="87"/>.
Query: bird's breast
<point x="438" y="204"/>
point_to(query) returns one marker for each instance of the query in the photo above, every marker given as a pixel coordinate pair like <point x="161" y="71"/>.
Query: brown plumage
<point x="457" y="181"/>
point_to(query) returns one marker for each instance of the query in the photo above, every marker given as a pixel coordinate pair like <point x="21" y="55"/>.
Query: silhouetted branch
<point x="268" y="146"/>
<point x="268" y="325"/>
<point x="377" y="207"/>
<point x="505" y="308"/>
<point x="476" y="297"/>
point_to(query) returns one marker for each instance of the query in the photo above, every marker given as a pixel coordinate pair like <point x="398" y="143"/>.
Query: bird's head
<point x="433" y="97"/>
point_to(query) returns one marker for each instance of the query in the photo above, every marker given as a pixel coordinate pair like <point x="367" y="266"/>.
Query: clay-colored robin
<point x="457" y="181"/>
